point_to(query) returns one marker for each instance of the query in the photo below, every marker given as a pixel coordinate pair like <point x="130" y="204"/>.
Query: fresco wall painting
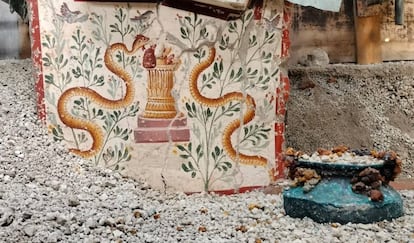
<point x="182" y="100"/>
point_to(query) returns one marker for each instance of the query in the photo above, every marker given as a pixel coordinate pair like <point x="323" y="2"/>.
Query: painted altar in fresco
<point x="182" y="100"/>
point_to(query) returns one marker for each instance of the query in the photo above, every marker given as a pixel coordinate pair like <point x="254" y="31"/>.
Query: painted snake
<point x="92" y="128"/>
<point x="221" y="101"/>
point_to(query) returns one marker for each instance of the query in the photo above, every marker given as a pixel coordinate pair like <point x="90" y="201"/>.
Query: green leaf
<point x="188" y="19"/>
<point x="275" y="72"/>
<point x="239" y="73"/>
<point x="199" y="149"/>
<point x="209" y="112"/>
<point x="253" y="73"/>
<point x="216" y="69"/>
<point x="126" y="153"/>
<point x="65" y="62"/>
<point x="184" y="33"/>
<point x="49" y="79"/>
<point x="232" y="74"/>
<point x="185" y="168"/>
<point x="193" y="174"/>
<point x="246" y="131"/>
<point x="223" y="44"/>
<point x="190" y="165"/>
<point x="55" y="133"/>
<point x="77" y="102"/>
<point x="46" y="62"/>
<point x="232" y="27"/>
<point x="188" y="107"/>
<point x="203" y="32"/>
<point x="249" y="15"/>
<point x="198" y="22"/>
<point x="85" y="56"/>
<point x="217" y="151"/>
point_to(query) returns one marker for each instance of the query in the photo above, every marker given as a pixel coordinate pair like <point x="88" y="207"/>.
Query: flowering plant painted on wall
<point x="85" y="114"/>
<point x="213" y="159"/>
<point x="169" y="99"/>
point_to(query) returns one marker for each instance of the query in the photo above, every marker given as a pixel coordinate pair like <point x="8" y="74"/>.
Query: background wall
<point x="9" y="33"/>
<point x="14" y="35"/>
<point x="335" y="33"/>
<point x="311" y="28"/>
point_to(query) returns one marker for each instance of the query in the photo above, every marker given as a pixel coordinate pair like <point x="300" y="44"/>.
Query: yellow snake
<point x="221" y="101"/>
<point x="92" y="128"/>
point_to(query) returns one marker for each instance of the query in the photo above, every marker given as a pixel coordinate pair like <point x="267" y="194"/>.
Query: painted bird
<point x="272" y="24"/>
<point x="70" y="16"/>
<point x="144" y="17"/>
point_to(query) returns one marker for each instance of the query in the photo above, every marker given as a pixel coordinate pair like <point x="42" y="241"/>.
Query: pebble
<point x="53" y="237"/>
<point x="91" y="223"/>
<point x="6" y="178"/>
<point x="107" y="222"/>
<point x="26" y="215"/>
<point x="51" y="216"/>
<point x="29" y="230"/>
<point x="19" y="153"/>
<point x="6" y="216"/>
<point x="61" y="219"/>
<point x="63" y="188"/>
<point x="103" y="197"/>
<point x="73" y="201"/>
<point x="117" y="233"/>
<point x="54" y="184"/>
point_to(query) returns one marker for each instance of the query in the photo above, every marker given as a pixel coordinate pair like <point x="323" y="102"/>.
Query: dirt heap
<point x="361" y="106"/>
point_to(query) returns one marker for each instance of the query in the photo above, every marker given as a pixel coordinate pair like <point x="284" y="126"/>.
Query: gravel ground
<point x="47" y="195"/>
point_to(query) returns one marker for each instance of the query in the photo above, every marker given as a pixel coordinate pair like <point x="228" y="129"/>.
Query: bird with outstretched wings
<point x="70" y="16"/>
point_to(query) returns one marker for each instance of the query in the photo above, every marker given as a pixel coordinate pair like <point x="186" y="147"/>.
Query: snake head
<point x="141" y="38"/>
<point x="140" y="41"/>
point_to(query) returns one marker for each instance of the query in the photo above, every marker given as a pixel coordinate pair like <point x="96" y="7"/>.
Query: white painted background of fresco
<point x="151" y="160"/>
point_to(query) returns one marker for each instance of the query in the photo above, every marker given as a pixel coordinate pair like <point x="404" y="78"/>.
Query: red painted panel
<point x="37" y="57"/>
